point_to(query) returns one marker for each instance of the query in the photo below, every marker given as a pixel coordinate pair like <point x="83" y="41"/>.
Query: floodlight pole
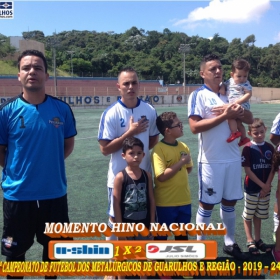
<point x="53" y="42"/>
<point x="184" y="48"/>
<point x="71" y="54"/>
<point x="54" y="72"/>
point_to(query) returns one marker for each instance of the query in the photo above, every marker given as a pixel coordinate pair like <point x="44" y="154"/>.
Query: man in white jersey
<point x="219" y="162"/>
<point x="275" y="139"/>
<point x="129" y="116"/>
<point x="275" y="131"/>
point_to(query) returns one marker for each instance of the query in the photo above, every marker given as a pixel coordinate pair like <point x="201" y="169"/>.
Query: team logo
<point x="143" y="118"/>
<point x="268" y="154"/>
<point x="179" y="98"/>
<point x="152" y="249"/>
<point x="8" y="242"/>
<point x="56" y="122"/>
<point x="6" y="10"/>
<point x="176" y="250"/>
<point x="210" y="191"/>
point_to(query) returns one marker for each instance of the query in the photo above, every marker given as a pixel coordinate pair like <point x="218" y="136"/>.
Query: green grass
<point x="87" y="177"/>
<point x="7" y="68"/>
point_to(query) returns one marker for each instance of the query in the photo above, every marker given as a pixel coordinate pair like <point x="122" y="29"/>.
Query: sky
<point x="229" y="18"/>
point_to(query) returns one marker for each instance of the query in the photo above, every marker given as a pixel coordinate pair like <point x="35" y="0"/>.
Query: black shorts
<point x="25" y="219"/>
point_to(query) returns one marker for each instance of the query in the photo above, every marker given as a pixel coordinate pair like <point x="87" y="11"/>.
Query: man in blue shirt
<point x="36" y="136"/>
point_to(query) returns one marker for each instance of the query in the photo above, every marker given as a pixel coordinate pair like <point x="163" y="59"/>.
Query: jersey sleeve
<point x="107" y="127"/>
<point x="3" y="128"/>
<point x="196" y="105"/>
<point x="246" y="157"/>
<point x="153" y="131"/>
<point x="275" y="129"/>
<point x="70" y="124"/>
<point x="158" y="162"/>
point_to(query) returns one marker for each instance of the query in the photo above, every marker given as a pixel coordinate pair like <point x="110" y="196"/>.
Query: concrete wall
<point x="14" y="41"/>
<point x="104" y="101"/>
<point x="74" y="88"/>
<point x="10" y="86"/>
<point x="78" y="100"/>
<point x="31" y="44"/>
<point x="266" y="94"/>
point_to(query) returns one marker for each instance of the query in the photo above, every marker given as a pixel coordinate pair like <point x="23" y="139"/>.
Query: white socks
<point x="203" y="216"/>
<point x="227" y="214"/>
<point x="276" y="221"/>
<point x="113" y="236"/>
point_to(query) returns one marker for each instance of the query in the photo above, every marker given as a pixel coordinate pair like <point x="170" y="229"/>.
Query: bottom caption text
<point x="137" y="268"/>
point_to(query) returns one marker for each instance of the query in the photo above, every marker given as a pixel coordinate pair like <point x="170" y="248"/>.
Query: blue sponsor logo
<point x="6" y="10"/>
<point x="85" y="250"/>
<point x="6" y="5"/>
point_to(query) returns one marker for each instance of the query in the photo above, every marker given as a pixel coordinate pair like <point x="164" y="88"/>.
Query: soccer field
<point x="87" y="177"/>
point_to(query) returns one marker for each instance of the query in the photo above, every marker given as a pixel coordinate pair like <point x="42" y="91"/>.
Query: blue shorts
<point x="173" y="214"/>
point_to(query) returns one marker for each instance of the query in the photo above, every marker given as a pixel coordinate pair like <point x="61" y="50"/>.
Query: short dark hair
<point x="127" y="69"/>
<point x="208" y="57"/>
<point x="256" y="124"/>
<point x="35" y="53"/>
<point x="240" y="64"/>
<point x="129" y="142"/>
<point x="165" y="120"/>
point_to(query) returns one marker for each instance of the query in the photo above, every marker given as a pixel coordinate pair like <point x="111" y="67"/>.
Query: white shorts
<point x="110" y="210"/>
<point x="219" y="181"/>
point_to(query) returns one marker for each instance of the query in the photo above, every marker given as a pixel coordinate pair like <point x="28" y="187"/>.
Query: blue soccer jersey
<point x="34" y="135"/>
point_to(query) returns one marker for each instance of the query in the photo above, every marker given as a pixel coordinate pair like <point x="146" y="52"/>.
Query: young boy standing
<point x="257" y="162"/>
<point x="133" y="188"/>
<point x="172" y="163"/>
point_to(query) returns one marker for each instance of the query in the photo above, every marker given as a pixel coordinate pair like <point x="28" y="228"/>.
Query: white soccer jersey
<point x="213" y="147"/>
<point x="114" y="122"/>
<point x="275" y="129"/>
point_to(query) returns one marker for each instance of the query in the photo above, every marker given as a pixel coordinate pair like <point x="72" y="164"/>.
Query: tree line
<point x="155" y="55"/>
